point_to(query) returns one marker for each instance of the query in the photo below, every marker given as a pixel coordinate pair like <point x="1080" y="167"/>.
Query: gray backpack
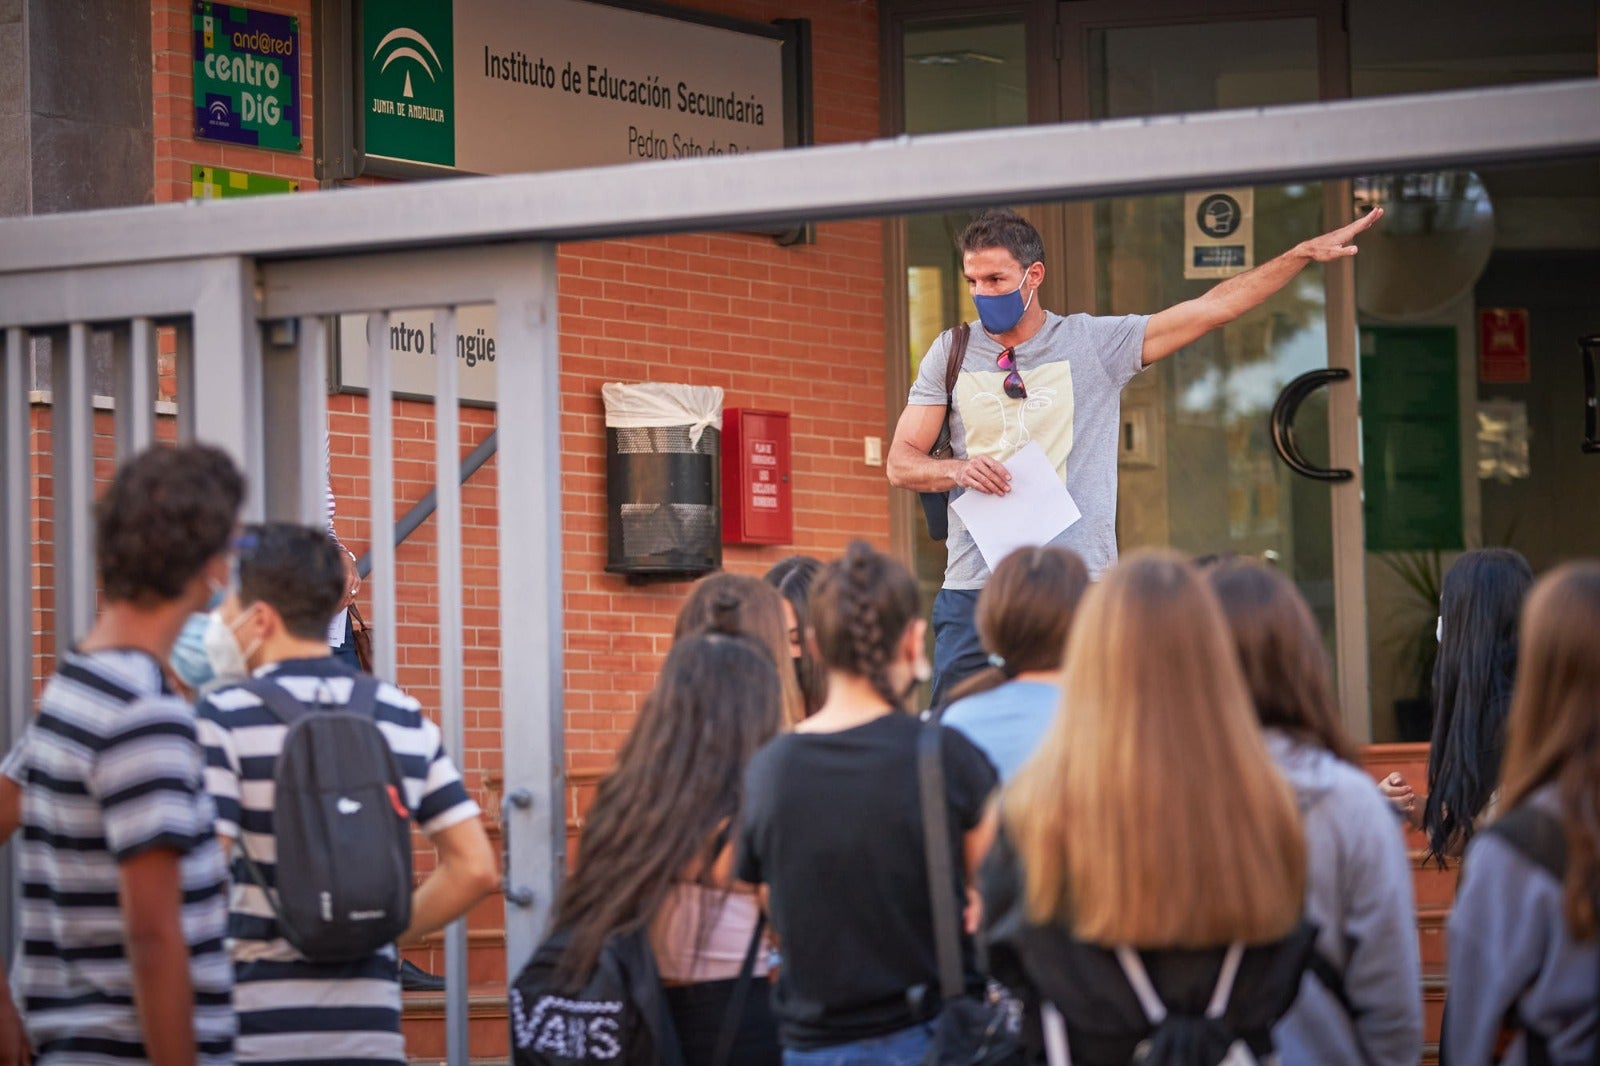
<point x="343" y="873"/>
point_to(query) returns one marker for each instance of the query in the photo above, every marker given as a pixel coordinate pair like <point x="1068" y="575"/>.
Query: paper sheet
<point x="1036" y="510"/>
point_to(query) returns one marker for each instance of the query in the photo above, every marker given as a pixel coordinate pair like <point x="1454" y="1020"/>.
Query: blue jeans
<point x="904" y="1048"/>
<point x="957" y="655"/>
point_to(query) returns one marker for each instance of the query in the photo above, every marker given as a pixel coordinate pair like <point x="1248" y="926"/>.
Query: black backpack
<point x="1235" y="1028"/>
<point x="618" y="1016"/>
<point x="343" y="829"/>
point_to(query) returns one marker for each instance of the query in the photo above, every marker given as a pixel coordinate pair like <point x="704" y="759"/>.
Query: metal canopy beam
<point x="1555" y="120"/>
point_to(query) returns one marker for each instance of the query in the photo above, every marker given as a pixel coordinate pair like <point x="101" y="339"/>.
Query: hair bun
<point x="725" y="614"/>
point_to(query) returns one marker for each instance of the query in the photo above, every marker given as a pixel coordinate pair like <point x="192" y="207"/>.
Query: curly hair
<point x="860" y="608"/>
<point x="168" y="511"/>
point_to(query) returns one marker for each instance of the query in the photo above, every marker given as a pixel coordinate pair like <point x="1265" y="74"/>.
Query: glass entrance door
<point x="1198" y="470"/>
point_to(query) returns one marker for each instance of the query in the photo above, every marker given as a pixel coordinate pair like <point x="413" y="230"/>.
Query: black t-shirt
<point x="833" y="826"/>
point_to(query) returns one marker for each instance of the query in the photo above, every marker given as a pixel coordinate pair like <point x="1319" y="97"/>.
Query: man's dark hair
<point x="298" y="571"/>
<point x="1000" y="227"/>
<point x="168" y="511"/>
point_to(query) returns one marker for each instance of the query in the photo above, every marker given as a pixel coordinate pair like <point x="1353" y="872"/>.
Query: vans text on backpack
<point x="619" y="1015"/>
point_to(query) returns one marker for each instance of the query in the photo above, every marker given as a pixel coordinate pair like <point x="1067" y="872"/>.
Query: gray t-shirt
<point x="1074" y="369"/>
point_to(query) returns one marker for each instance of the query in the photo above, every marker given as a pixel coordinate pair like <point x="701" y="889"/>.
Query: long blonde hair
<point x="1151" y="814"/>
<point x="1555" y="723"/>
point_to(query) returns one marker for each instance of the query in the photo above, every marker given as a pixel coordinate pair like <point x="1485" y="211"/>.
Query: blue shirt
<point x="1006" y="722"/>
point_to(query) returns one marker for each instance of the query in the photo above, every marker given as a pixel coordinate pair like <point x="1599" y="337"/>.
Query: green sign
<point x="408" y="64"/>
<point x="1411" y="438"/>
<point x="214" y="183"/>
<point x="246" y="76"/>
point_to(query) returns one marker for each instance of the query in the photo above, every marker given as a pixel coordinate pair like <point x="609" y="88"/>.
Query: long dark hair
<point x="792" y="577"/>
<point x="860" y="608"/>
<point x="1281" y="653"/>
<point x="1472" y="681"/>
<point x="1555" y="724"/>
<point x="677" y="785"/>
<point x="1024" y="615"/>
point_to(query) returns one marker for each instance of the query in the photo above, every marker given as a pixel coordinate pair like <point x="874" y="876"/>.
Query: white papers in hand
<point x="1036" y="510"/>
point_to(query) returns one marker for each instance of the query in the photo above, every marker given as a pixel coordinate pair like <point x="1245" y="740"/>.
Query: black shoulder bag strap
<point x="936" y="849"/>
<point x="735" y="1016"/>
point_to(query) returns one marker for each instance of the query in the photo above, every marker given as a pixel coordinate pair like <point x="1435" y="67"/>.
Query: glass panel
<point x="957" y="77"/>
<point x="1472" y="301"/>
<point x="1198" y="471"/>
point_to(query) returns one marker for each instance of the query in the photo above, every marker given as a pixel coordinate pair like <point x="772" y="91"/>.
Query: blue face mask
<point x="1000" y="314"/>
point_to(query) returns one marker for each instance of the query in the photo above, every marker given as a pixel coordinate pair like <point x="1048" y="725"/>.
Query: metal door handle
<point x="1283" y="414"/>
<point x="518" y="895"/>
<point x="1590" y="347"/>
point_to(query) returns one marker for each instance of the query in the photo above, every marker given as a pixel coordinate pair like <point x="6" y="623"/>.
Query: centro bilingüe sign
<point x="511" y="86"/>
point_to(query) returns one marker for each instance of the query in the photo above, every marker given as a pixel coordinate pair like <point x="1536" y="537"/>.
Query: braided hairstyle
<point x="860" y="608"/>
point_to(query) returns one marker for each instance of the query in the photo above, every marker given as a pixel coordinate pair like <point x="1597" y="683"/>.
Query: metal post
<point x="72" y="480"/>
<point x="380" y="438"/>
<point x="134" y="363"/>
<point x="296" y="465"/>
<point x="312" y="422"/>
<point x="183" y="370"/>
<point x="16" y="623"/>
<point x="447" y="452"/>
<point x="226" y="362"/>
<point x="530" y="594"/>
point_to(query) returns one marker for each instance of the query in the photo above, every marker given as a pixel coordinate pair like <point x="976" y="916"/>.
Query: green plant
<point x="1422" y="574"/>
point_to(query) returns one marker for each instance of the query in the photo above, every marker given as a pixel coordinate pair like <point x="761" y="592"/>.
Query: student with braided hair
<point x="832" y="830"/>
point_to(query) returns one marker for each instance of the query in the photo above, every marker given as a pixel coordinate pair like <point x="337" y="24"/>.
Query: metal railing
<point x="250" y="284"/>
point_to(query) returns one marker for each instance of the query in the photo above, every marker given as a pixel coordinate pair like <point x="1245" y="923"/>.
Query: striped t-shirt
<point x="111" y="769"/>
<point x="292" y="1010"/>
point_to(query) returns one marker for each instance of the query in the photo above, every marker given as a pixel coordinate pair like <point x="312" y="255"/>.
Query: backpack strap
<point x="1225" y="978"/>
<point x="959" y="336"/>
<point x="1323" y="969"/>
<point x="956" y="354"/>
<point x="1057" y="1052"/>
<point x="1536" y="835"/>
<point x="936" y="853"/>
<point x="1155" y="1011"/>
<point x="287" y="709"/>
<point x="275" y="698"/>
<point x="735" y="1016"/>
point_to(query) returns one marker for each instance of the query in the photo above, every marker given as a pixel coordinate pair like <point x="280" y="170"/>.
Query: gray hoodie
<point x="1510" y="948"/>
<point x="1359" y="894"/>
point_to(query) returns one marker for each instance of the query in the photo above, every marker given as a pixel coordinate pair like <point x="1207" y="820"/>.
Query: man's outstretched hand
<point x="1341" y="242"/>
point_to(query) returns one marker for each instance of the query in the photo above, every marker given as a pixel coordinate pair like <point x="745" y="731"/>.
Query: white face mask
<point x="229" y="662"/>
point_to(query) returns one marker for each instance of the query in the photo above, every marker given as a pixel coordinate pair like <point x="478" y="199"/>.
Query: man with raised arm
<point x="1032" y="375"/>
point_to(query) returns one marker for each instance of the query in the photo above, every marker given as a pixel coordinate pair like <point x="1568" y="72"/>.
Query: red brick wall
<point x="797" y="329"/>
